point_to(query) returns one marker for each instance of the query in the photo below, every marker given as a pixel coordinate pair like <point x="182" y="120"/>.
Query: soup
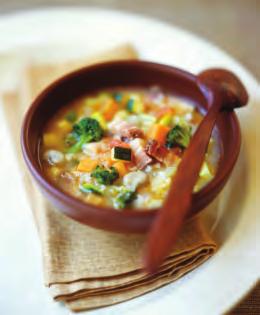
<point x="121" y="148"/>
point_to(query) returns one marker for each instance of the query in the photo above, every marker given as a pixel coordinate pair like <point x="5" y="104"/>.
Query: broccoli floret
<point x="178" y="136"/>
<point x="86" y="130"/>
<point x="105" y="176"/>
<point x="124" y="197"/>
<point x="89" y="188"/>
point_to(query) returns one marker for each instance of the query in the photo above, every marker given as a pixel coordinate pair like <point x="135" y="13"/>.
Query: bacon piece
<point x="141" y="158"/>
<point x="156" y="150"/>
<point x="125" y="129"/>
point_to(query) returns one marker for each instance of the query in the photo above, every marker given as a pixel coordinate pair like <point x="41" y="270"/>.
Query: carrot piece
<point x="159" y="132"/>
<point x="120" y="166"/>
<point x="110" y="109"/>
<point x="87" y="165"/>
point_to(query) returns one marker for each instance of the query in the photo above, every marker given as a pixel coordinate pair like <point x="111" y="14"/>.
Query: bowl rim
<point x="75" y="203"/>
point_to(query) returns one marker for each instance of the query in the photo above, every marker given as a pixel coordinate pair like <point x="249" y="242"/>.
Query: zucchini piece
<point x="120" y="153"/>
<point x="118" y="97"/>
<point x="130" y="105"/>
<point x="135" y="105"/>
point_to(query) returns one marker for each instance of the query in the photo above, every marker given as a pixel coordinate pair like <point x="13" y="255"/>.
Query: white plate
<point x="211" y="289"/>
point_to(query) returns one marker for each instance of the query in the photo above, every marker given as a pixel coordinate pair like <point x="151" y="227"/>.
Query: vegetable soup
<point x="121" y="148"/>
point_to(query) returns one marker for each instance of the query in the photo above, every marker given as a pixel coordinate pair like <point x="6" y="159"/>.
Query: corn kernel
<point x="55" y="171"/>
<point x="50" y="139"/>
<point x="94" y="199"/>
<point x="64" y="125"/>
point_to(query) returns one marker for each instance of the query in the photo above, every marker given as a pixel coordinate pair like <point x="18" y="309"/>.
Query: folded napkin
<point x="85" y="267"/>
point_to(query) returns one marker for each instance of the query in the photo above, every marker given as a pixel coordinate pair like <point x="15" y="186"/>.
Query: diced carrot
<point x="159" y="132"/>
<point x="87" y="165"/>
<point x="110" y="109"/>
<point x="121" y="168"/>
<point x="118" y="143"/>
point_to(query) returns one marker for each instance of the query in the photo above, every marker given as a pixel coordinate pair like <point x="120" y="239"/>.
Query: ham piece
<point x="141" y="158"/>
<point x="155" y="150"/>
<point x="125" y="130"/>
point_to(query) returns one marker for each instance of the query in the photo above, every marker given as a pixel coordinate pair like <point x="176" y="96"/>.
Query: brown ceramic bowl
<point x="123" y="74"/>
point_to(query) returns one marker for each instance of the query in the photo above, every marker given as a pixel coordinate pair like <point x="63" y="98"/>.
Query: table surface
<point x="232" y="25"/>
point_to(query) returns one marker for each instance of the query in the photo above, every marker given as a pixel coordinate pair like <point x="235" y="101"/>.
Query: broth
<point x="121" y="148"/>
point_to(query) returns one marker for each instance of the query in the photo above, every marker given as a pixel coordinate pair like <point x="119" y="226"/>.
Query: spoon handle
<point x="224" y="91"/>
<point x="169" y="221"/>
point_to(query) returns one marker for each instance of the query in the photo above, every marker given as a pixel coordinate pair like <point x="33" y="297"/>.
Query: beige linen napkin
<point x="85" y="267"/>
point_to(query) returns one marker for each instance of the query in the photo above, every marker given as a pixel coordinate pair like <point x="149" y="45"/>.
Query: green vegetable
<point x="124" y="197"/>
<point x="105" y="176"/>
<point x="71" y="116"/>
<point x="100" y="118"/>
<point x="130" y="105"/>
<point x="178" y="136"/>
<point x="118" y="97"/>
<point x="89" y="188"/>
<point x="70" y="140"/>
<point x="135" y="105"/>
<point x="120" y="153"/>
<point x="86" y="130"/>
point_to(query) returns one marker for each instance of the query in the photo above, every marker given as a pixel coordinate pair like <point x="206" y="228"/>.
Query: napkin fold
<point x="85" y="267"/>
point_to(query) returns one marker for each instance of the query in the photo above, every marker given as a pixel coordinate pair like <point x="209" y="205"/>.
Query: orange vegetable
<point x="108" y="162"/>
<point x="164" y="111"/>
<point x="121" y="168"/>
<point x="159" y="132"/>
<point x="110" y="109"/>
<point x="87" y="165"/>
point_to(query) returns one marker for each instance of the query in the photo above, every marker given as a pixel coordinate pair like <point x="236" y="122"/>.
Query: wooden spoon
<point x="225" y="92"/>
